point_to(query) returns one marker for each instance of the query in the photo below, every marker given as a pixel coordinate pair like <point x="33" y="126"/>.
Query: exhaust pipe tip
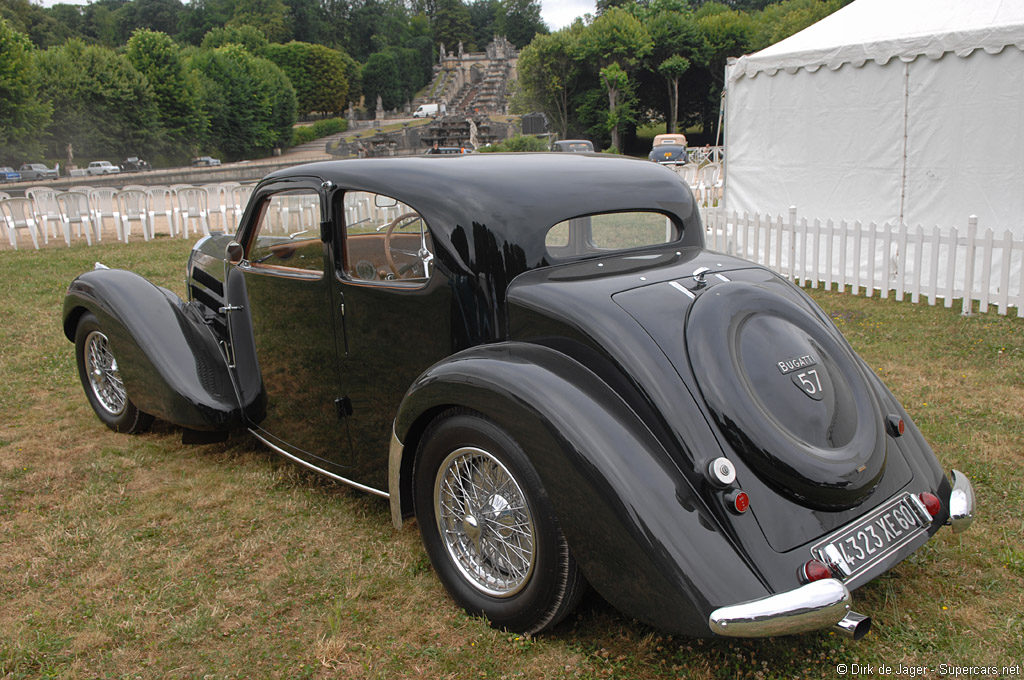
<point x="854" y="625"/>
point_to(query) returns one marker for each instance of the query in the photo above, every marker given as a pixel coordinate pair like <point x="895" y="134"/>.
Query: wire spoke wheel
<point x="104" y="378"/>
<point x="485" y="521"/>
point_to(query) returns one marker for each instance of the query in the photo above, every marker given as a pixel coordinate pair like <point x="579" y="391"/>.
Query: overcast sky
<point x="560" y="13"/>
<point x="556" y="13"/>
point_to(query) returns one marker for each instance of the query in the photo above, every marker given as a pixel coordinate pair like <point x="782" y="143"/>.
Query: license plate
<point x="873" y="536"/>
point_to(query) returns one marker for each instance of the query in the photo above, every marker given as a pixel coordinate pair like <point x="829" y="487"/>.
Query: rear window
<point x="606" y="233"/>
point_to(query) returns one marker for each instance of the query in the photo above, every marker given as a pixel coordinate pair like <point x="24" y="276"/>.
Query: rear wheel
<point x="488" y="526"/>
<point x="101" y="379"/>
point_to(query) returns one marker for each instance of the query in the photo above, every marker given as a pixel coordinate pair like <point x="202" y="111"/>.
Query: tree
<point x="673" y="69"/>
<point x="270" y="16"/>
<point x="316" y="72"/>
<point x="451" y="24"/>
<point x="616" y="39"/>
<point x="23" y="116"/>
<point x="159" y="59"/>
<point x="483" y="15"/>
<point x="102" y="105"/>
<point x="249" y="37"/>
<point x="549" y="71"/>
<point x="381" y="78"/>
<point x="519" y="21"/>
<point x="677" y="46"/>
<point x="249" y="101"/>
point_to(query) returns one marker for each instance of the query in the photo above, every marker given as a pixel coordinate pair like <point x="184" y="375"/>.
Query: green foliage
<point x="23" y="116"/>
<point x="519" y="21"/>
<point x="382" y="78"/>
<point x="270" y="16"/>
<point x="316" y="72"/>
<point x="519" y="143"/>
<point x="102" y="106"/>
<point x="319" y="130"/>
<point x="249" y="100"/>
<point x="549" y="73"/>
<point x="249" y="37"/>
<point x="451" y="24"/>
<point x="159" y="59"/>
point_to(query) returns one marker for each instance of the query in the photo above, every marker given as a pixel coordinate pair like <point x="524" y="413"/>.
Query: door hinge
<point x="344" y="406"/>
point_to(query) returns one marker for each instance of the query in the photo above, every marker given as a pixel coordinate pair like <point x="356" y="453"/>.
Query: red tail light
<point x="931" y="503"/>
<point x="813" y="570"/>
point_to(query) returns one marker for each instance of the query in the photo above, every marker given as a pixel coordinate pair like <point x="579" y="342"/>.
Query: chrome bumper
<point x="811" y="607"/>
<point x="961" y="502"/>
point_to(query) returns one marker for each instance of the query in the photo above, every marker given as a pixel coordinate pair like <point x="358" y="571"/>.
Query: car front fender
<point x="642" y="536"/>
<point x="168" y="359"/>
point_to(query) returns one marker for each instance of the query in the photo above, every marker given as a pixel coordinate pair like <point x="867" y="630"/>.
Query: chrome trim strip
<point x="961" y="502"/>
<point x="811" y="607"/>
<point x="395" y="453"/>
<point x="314" y="468"/>
<point x="682" y="289"/>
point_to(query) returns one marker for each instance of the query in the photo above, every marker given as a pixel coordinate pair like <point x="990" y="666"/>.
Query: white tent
<point x="891" y="111"/>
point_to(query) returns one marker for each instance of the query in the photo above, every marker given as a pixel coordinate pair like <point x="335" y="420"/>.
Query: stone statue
<point x="460" y="50"/>
<point x="442" y="53"/>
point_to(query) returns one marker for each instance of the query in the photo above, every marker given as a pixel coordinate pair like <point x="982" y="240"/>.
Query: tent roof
<point x="884" y="29"/>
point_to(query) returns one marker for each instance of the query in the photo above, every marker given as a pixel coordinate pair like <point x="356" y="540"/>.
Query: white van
<point x="427" y="110"/>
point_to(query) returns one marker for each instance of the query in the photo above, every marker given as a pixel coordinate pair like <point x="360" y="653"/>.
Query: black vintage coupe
<point x="536" y="357"/>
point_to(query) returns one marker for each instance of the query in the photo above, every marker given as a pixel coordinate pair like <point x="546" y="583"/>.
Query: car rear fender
<point x="169" y="360"/>
<point x="643" y="538"/>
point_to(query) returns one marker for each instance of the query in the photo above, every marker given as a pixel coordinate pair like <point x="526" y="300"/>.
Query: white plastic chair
<point x="47" y="212"/>
<point x="161" y="200"/>
<point x="74" y="209"/>
<point x="4" y="194"/>
<point x="239" y="196"/>
<point x="217" y="202"/>
<point x="134" y="205"/>
<point x="18" y="213"/>
<point x="175" y="188"/>
<point x="192" y="206"/>
<point x="103" y="201"/>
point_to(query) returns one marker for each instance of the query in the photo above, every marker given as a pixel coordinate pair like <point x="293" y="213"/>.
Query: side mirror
<point x="234" y="253"/>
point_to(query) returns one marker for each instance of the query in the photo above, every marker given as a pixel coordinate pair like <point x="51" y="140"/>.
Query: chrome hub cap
<point x="104" y="378"/>
<point x="485" y="522"/>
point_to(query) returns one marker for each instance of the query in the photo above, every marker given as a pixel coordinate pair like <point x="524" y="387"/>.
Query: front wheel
<point x="488" y="526"/>
<point x="101" y="379"/>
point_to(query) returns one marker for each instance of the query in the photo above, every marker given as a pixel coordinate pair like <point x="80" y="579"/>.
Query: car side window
<point x="385" y="240"/>
<point x="287" y="234"/>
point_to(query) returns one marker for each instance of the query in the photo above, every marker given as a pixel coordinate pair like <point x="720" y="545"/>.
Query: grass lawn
<point x="137" y="557"/>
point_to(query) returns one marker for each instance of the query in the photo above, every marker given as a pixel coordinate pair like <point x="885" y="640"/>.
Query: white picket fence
<point x="983" y="267"/>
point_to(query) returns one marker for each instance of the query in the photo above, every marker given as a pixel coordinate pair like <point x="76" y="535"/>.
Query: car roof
<point x="511" y="200"/>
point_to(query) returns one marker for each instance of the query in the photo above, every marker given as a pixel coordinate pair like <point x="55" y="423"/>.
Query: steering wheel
<point x="423" y="254"/>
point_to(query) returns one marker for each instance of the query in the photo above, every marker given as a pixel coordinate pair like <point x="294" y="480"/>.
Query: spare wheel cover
<point x="788" y="393"/>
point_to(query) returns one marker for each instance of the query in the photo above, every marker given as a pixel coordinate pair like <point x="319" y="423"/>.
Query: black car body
<point x="535" y="355"/>
<point x="669" y="154"/>
<point x="573" y="146"/>
<point x="135" y="164"/>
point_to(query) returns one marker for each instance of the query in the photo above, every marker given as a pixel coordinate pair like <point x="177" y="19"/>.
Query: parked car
<point x="102" y="168"/>
<point x="446" y="150"/>
<point x="573" y="145"/>
<point x="135" y="164"/>
<point x="37" y="171"/>
<point x="669" y="154"/>
<point x="205" y="161"/>
<point x="535" y="356"/>
<point x="9" y="174"/>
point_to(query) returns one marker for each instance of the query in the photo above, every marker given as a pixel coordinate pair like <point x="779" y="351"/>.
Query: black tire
<point x="505" y="556"/>
<point x="101" y="380"/>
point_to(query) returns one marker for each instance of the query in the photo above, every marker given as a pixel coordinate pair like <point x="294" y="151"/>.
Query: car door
<point x="280" y="308"/>
<point x="394" y="317"/>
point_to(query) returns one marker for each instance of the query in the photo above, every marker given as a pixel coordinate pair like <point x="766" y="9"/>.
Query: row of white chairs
<point x="183" y="207"/>
<point x="705" y="181"/>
